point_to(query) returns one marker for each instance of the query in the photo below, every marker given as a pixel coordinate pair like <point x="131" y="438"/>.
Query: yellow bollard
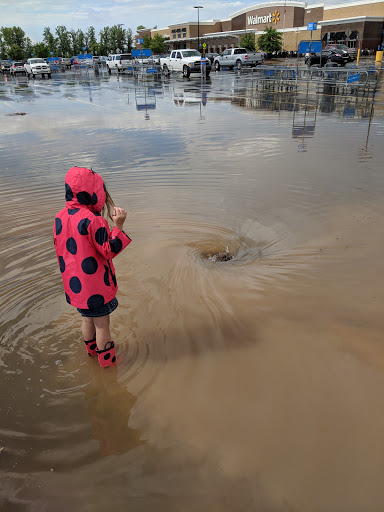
<point x="379" y="57"/>
<point x="358" y="56"/>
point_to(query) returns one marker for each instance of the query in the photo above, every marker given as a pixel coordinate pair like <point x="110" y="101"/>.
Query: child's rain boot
<point x="107" y="356"/>
<point x="91" y="346"/>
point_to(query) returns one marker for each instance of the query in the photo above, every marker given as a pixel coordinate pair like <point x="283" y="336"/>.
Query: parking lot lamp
<point x="198" y="7"/>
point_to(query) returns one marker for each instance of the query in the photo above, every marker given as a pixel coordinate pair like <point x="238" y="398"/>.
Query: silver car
<point x="17" y="67"/>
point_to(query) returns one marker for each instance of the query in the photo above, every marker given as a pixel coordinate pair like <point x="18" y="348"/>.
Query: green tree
<point x="3" y="53"/>
<point x="63" y="40"/>
<point x="105" y="41"/>
<point x="158" y="44"/>
<point x="90" y="41"/>
<point x="270" y="41"/>
<point x="50" y="40"/>
<point x="129" y="39"/>
<point x="248" y="42"/>
<point x="147" y="41"/>
<point x="15" y="52"/>
<point x="140" y="27"/>
<point x="12" y="42"/>
<point x="40" y="50"/>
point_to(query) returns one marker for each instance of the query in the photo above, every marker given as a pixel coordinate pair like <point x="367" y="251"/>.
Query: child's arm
<point x="109" y="243"/>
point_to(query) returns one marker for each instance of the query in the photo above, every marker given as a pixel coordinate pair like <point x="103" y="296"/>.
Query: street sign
<point x="140" y="41"/>
<point x="141" y="53"/>
<point x="312" y="26"/>
<point x="204" y="46"/>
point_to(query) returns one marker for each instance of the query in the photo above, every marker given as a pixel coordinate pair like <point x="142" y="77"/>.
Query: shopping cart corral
<point x="288" y="77"/>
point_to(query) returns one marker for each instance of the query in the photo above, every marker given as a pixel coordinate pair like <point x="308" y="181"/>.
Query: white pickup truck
<point x="186" y="61"/>
<point x="36" y="66"/>
<point x="237" y="58"/>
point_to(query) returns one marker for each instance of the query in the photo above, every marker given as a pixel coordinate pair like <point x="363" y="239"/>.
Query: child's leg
<point x="88" y="328"/>
<point x="103" y="334"/>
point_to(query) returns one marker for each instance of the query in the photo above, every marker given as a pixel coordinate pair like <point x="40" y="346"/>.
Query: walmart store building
<point x="356" y="24"/>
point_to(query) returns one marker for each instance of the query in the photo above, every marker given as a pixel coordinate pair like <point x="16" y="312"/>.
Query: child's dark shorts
<point x="101" y="310"/>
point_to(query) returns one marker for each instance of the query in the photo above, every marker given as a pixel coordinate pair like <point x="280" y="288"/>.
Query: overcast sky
<point x="33" y="15"/>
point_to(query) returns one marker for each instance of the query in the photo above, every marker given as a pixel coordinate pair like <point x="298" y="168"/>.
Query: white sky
<point x="33" y="15"/>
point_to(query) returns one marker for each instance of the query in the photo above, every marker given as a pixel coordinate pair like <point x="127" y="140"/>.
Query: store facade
<point x="356" y="24"/>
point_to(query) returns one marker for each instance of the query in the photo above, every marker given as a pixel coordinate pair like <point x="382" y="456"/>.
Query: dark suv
<point x="339" y="57"/>
<point x="5" y="66"/>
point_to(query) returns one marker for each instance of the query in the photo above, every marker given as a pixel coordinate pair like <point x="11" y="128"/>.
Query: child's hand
<point x="118" y="217"/>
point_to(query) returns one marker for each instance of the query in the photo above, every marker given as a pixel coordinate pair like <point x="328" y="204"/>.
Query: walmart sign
<point x="272" y="17"/>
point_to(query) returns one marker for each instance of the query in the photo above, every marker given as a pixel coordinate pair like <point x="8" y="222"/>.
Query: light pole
<point x="198" y="7"/>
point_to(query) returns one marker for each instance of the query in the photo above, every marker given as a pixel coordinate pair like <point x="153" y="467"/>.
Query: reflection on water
<point x="249" y="384"/>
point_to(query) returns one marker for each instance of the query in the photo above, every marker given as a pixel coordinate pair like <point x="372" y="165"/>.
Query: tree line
<point x="15" y="45"/>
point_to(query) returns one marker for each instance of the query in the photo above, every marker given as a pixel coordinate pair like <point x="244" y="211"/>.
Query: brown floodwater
<point x="254" y="384"/>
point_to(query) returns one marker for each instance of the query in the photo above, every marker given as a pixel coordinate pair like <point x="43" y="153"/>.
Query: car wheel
<point x="49" y="75"/>
<point x="186" y="71"/>
<point x="165" y="70"/>
<point x="217" y="66"/>
<point x="238" y="65"/>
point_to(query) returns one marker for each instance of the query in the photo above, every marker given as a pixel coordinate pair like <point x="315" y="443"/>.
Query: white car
<point x="35" y="66"/>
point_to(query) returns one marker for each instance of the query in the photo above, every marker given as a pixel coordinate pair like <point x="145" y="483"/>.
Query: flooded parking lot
<point x="251" y="384"/>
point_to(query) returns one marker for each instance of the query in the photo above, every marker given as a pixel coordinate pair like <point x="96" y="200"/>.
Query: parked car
<point x="5" y="66"/>
<point x="333" y="46"/>
<point x="75" y="61"/>
<point x="17" y="67"/>
<point x="339" y="57"/>
<point x="211" y="56"/>
<point x="36" y="66"/>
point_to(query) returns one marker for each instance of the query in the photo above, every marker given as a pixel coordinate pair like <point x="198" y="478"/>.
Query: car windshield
<point x="126" y="57"/>
<point x="18" y="64"/>
<point x="37" y="61"/>
<point x="191" y="53"/>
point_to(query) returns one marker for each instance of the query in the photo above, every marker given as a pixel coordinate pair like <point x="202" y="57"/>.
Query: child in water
<point x="85" y="247"/>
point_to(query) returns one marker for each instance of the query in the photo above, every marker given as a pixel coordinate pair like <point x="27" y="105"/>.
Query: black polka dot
<point x="83" y="226"/>
<point x="72" y="211"/>
<point x="93" y="346"/>
<point x="67" y="298"/>
<point x="107" y="356"/>
<point x="114" y="279"/>
<point x="71" y="246"/>
<point x="116" y="245"/>
<point x="75" y="284"/>
<point x="62" y="264"/>
<point x="85" y="198"/>
<point x="68" y="193"/>
<point x="58" y="226"/>
<point x="101" y="236"/>
<point x="89" y="265"/>
<point x="95" y="301"/>
<point x="113" y="359"/>
<point x="106" y="276"/>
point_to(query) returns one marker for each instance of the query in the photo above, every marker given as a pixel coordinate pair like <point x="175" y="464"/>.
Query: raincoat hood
<point x="84" y="188"/>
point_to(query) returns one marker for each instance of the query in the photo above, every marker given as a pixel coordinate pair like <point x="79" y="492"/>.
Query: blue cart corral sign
<point x="353" y="78"/>
<point x="312" y="26"/>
